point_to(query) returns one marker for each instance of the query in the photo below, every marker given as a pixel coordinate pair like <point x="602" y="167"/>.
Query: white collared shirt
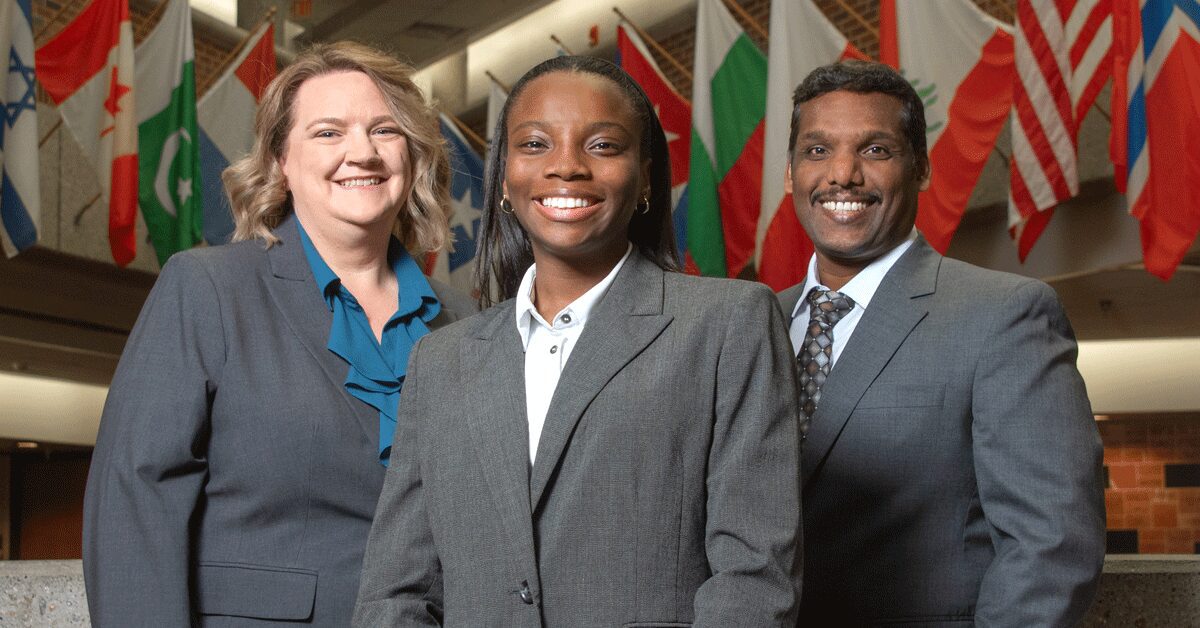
<point x="860" y="288"/>
<point x="548" y="345"/>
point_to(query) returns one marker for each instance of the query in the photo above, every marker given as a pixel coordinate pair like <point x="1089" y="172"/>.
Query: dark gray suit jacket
<point x="952" y="472"/>
<point x="665" y="490"/>
<point x="234" y="479"/>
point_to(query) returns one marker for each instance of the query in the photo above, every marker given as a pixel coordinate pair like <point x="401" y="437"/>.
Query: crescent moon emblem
<point x="162" y="190"/>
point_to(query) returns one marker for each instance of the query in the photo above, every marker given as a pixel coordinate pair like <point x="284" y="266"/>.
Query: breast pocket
<point x="903" y="396"/>
<point x="257" y="591"/>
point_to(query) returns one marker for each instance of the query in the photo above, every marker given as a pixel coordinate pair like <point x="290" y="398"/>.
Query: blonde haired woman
<point x="243" y="444"/>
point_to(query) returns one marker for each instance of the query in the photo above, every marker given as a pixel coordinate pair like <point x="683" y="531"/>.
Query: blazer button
<point x="526" y="594"/>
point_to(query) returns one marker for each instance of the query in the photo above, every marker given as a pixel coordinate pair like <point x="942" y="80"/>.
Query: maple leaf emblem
<point x="115" y="91"/>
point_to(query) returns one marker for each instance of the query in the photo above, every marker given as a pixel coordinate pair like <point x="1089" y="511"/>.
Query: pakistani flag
<point x="168" y="144"/>
<point x="729" y="96"/>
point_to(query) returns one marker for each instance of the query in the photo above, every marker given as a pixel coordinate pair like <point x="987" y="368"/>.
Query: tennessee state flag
<point x="1156" y="123"/>
<point x="675" y="113"/>
<point x="802" y="39"/>
<point x="87" y="70"/>
<point x="960" y="60"/>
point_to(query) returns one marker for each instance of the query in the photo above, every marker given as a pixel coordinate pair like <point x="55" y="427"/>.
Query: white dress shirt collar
<point x="861" y="288"/>
<point x="576" y="313"/>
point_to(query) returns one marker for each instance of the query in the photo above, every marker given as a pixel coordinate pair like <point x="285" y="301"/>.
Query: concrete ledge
<point x="42" y="594"/>
<point x="1136" y="590"/>
<point x="1148" y="590"/>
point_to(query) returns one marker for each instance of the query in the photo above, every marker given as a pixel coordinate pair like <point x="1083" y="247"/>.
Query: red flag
<point x="801" y="40"/>
<point x="1156" y="123"/>
<point x="966" y="83"/>
<point x="87" y="70"/>
<point x="675" y="113"/>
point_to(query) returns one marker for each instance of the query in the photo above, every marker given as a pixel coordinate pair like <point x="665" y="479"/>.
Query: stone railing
<point x="1152" y="590"/>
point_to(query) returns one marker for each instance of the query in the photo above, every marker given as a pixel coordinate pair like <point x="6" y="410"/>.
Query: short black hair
<point x="504" y="250"/>
<point x="865" y="77"/>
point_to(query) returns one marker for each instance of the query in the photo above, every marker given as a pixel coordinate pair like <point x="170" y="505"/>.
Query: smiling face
<point x="854" y="178"/>
<point x="574" y="171"/>
<point x="346" y="159"/>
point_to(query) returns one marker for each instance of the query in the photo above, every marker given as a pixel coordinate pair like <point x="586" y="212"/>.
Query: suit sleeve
<point x="401" y="580"/>
<point x="753" y="535"/>
<point x="149" y="468"/>
<point x="1038" y="465"/>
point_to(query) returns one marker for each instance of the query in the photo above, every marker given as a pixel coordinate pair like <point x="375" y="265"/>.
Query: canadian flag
<point x="87" y="70"/>
<point x="802" y="39"/>
<point x="675" y="113"/>
<point x="960" y="60"/>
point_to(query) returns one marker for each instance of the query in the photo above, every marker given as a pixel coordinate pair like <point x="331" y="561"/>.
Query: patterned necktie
<point x="825" y="309"/>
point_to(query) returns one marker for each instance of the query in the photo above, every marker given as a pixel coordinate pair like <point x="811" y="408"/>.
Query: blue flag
<point x="457" y="267"/>
<point x="20" y="204"/>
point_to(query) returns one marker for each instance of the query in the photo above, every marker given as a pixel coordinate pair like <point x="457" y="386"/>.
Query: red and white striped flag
<point x="1063" y="54"/>
<point x="87" y="70"/>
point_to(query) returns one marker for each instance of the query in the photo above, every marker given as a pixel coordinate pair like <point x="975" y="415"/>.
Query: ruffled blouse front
<point x="376" y="368"/>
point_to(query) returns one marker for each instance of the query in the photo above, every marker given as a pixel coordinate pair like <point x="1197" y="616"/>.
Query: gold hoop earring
<point x="643" y="205"/>
<point x="506" y="205"/>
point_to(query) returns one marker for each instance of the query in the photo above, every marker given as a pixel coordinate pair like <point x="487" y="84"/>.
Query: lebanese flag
<point x="675" y="113"/>
<point x="966" y="82"/>
<point x="729" y="94"/>
<point x="802" y="39"/>
<point x="225" y="114"/>
<point x="87" y="70"/>
<point x="1156" y="123"/>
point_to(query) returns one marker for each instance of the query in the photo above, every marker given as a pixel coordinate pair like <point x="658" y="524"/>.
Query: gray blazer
<point x="234" y="479"/>
<point x="952" y="472"/>
<point x="665" y="490"/>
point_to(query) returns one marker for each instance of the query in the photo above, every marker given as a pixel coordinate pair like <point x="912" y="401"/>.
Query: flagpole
<point x="497" y="81"/>
<point x="237" y="50"/>
<point x="862" y="21"/>
<point x="466" y="130"/>
<point x="554" y="38"/>
<point x="79" y="215"/>
<point x="49" y="133"/>
<point x="658" y="47"/>
<point x="753" y="23"/>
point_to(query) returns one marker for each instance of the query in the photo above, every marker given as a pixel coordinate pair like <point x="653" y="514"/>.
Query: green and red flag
<point x="729" y="96"/>
<point x="168" y="141"/>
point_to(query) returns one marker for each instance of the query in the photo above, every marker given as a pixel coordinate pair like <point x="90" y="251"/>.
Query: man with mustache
<point x="951" y="464"/>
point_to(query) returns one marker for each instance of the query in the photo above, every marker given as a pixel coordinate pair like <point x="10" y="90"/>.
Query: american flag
<point x="1063" y="59"/>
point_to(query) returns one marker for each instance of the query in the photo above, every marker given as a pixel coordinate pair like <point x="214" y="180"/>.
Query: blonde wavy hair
<point x="256" y="186"/>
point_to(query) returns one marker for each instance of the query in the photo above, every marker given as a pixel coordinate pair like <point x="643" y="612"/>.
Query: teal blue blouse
<point x="376" y="368"/>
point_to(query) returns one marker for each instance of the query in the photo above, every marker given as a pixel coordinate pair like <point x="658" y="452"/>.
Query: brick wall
<point x="1153" y="492"/>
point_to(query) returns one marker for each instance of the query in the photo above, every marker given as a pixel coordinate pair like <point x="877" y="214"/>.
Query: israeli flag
<point x="20" y="202"/>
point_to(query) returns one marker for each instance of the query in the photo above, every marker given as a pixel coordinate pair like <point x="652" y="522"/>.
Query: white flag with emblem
<point x="168" y="144"/>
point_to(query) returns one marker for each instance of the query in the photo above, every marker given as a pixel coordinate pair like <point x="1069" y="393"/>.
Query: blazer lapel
<point x="295" y="295"/>
<point x="894" y="312"/>
<point x="627" y="319"/>
<point x="492" y="360"/>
